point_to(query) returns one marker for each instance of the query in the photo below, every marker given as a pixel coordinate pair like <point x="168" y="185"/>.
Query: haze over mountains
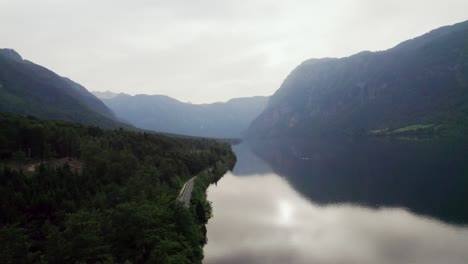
<point x="30" y="89"/>
<point x="104" y="95"/>
<point x="421" y="82"/>
<point x="165" y="114"/>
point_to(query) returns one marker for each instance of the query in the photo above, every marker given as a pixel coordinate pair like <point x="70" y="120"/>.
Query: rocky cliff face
<point x="423" y="80"/>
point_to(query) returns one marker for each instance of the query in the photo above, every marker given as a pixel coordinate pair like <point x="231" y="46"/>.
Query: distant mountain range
<point x="421" y="84"/>
<point x="165" y="114"/>
<point x="30" y="89"/>
<point x="104" y="95"/>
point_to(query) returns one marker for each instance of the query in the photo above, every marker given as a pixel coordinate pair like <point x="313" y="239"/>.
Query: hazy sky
<point x="206" y="50"/>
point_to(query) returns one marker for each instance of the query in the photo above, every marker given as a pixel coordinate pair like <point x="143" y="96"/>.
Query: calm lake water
<point x="342" y="201"/>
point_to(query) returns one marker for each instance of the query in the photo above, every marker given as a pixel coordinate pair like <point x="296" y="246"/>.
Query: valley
<point x="354" y="159"/>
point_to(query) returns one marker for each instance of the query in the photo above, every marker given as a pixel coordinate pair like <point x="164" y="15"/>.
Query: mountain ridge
<point x="165" y="114"/>
<point x="419" y="81"/>
<point x="27" y="88"/>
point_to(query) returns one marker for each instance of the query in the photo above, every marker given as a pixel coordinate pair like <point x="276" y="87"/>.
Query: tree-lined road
<point x="186" y="192"/>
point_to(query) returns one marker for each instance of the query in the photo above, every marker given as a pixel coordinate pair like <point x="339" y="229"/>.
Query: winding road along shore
<point x="186" y="192"/>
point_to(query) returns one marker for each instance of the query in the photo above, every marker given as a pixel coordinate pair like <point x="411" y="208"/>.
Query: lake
<point x="342" y="201"/>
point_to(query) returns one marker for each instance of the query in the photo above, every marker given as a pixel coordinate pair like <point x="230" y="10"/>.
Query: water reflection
<point x="427" y="177"/>
<point x="261" y="217"/>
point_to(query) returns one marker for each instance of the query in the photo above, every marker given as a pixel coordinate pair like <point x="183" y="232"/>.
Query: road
<point x="186" y="192"/>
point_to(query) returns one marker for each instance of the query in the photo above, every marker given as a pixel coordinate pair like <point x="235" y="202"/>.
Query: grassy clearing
<point x="415" y="127"/>
<point x="379" y="131"/>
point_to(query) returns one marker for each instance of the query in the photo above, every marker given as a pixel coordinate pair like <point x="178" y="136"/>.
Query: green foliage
<point x="120" y="206"/>
<point x="424" y="131"/>
<point x="14" y="245"/>
<point x="19" y="156"/>
<point x="411" y="130"/>
<point x="415" y="127"/>
<point x="201" y="208"/>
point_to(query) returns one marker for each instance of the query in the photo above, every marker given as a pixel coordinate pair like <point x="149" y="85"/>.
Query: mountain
<point x="421" y="84"/>
<point x="165" y="114"/>
<point x="30" y="89"/>
<point x="104" y="95"/>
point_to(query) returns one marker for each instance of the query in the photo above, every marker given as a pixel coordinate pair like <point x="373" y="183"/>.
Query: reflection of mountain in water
<point x="428" y="178"/>
<point x="248" y="163"/>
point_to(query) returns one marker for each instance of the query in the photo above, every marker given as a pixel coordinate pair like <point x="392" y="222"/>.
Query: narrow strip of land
<point x="186" y="192"/>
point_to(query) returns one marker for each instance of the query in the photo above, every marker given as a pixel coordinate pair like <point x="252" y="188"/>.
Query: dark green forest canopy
<point x="119" y="204"/>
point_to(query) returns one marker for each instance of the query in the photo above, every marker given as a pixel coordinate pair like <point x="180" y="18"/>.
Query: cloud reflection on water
<point x="262" y="219"/>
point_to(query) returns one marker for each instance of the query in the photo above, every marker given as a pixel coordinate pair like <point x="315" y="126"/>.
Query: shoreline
<point x="200" y="208"/>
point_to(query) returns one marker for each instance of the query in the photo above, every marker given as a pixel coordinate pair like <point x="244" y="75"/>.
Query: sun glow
<point x="285" y="212"/>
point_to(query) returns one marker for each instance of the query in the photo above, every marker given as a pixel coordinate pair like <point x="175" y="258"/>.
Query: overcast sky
<point x="206" y="50"/>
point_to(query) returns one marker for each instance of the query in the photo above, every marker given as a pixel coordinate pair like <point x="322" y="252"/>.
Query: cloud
<point x="208" y="50"/>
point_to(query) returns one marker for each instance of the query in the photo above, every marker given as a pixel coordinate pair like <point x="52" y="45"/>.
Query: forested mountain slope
<point x="78" y="194"/>
<point x="30" y="89"/>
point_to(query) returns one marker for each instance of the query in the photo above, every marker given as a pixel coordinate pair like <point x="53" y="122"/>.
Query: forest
<point x="80" y="194"/>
